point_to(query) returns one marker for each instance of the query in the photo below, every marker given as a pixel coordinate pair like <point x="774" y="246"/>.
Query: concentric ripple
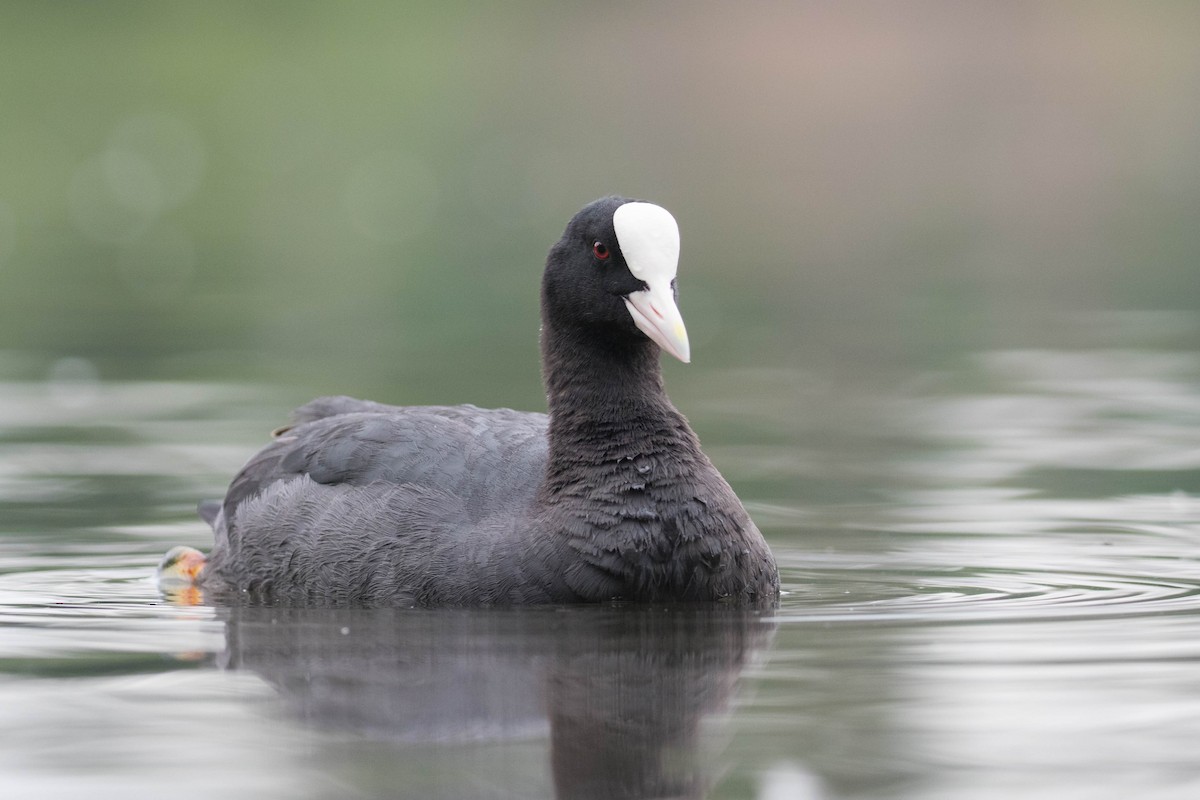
<point x="984" y="563"/>
<point x="980" y="594"/>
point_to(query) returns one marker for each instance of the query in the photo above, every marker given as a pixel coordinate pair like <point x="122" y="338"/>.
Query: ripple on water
<point x="112" y="603"/>
<point x="994" y="555"/>
<point x="112" y="606"/>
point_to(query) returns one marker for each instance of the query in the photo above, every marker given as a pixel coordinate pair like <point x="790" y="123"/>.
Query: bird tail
<point x="209" y="511"/>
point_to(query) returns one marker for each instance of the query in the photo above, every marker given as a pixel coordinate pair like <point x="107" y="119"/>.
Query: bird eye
<point x="600" y="250"/>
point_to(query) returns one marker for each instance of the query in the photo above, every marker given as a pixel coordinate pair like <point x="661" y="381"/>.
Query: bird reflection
<point x="620" y="692"/>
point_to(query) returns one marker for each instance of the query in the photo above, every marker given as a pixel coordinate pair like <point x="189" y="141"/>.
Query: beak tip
<point x="683" y="354"/>
<point x="661" y="324"/>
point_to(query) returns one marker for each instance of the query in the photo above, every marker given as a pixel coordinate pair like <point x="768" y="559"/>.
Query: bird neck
<point x="606" y="398"/>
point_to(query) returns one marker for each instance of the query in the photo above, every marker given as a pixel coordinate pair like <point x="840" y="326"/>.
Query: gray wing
<point x="492" y="459"/>
<point x="361" y="501"/>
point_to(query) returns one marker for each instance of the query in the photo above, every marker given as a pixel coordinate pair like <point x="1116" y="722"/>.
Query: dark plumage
<point x="608" y="497"/>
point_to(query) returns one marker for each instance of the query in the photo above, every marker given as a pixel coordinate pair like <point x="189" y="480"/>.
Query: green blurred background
<point x="358" y="197"/>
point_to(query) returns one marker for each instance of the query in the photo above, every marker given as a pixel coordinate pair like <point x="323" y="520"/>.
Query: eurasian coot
<point x="608" y="497"/>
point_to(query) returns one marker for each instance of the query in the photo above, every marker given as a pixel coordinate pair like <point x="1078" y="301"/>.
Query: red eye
<point x="600" y="250"/>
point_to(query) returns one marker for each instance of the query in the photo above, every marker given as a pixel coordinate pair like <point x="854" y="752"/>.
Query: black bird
<point x="608" y="497"/>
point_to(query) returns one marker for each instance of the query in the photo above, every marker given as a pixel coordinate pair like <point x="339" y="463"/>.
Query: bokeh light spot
<point x="170" y="147"/>
<point x="94" y="206"/>
<point x="132" y="182"/>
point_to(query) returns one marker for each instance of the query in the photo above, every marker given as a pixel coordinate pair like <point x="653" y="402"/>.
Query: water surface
<point x="992" y="588"/>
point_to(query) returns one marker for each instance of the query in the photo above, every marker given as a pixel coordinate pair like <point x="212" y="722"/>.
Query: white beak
<point x="649" y="239"/>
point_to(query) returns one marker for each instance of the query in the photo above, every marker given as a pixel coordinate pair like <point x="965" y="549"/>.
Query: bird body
<point x="608" y="497"/>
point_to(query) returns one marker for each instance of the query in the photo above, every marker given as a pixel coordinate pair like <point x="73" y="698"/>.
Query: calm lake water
<point x="992" y="582"/>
